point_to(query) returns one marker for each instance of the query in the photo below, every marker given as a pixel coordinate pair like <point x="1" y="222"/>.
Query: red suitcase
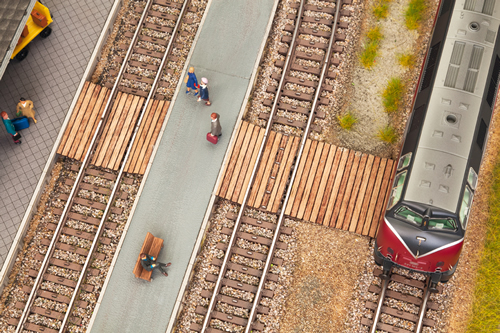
<point x="38" y="18"/>
<point x="212" y="138"/>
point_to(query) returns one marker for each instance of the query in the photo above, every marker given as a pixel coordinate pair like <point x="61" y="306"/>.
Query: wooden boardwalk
<point x="336" y="187"/>
<point x="116" y="132"/>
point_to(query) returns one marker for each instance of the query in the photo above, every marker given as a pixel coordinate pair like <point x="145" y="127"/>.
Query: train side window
<point x="397" y="189"/>
<point x="404" y="161"/>
<point x="443" y="224"/>
<point x="465" y="207"/>
<point x="409" y="215"/>
<point x="472" y="178"/>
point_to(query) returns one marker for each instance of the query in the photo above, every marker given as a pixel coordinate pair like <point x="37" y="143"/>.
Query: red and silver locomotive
<point x="426" y="218"/>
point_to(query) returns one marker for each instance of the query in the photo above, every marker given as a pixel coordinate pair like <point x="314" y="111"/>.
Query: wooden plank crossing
<point x="340" y="188"/>
<point x="149" y="130"/>
<point x="336" y="187"/>
<point x="117" y="131"/>
<point x="83" y="122"/>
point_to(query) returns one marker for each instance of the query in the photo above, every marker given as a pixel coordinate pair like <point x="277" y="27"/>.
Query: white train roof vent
<point x="429" y="166"/>
<point x="490" y="36"/>
<point x="451" y="119"/>
<point x="488" y="7"/>
<point x="444" y="189"/>
<point x="445" y="101"/>
<point x="438" y="134"/>
<point x="454" y="66"/>
<point x="456" y="138"/>
<point x="448" y="171"/>
<point x="464" y="106"/>
<point x="425" y="183"/>
<point x="472" y="71"/>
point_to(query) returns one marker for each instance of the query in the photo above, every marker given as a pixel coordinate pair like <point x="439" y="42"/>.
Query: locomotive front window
<point x="409" y="215"/>
<point x="404" y="161"/>
<point x="465" y="207"/>
<point x="397" y="189"/>
<point x="443" y="224"/>
<point x="472" y="178"/>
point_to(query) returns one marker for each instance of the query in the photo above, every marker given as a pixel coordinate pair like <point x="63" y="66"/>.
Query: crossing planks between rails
<point x="336" y="187"/>
<point x="117" y="131"/>
<point x="146" y="136"/>
<point x="340" y="188"/>
<point x="83" y="122"/>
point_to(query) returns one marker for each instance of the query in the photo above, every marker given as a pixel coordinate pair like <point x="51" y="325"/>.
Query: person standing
<point x="10" y="128"/>
<point x="25" y="108"/>
<point x="204" y="91"/>
<point x="191" y="81"/>
<point x="149" y="263"/>
<point x="216" y="130"/>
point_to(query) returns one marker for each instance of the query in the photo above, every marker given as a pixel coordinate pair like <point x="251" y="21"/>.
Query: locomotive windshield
<point x="435" y="223"/>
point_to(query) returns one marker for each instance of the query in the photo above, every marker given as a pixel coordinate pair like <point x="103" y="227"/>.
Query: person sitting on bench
<point x="149" y="263"/>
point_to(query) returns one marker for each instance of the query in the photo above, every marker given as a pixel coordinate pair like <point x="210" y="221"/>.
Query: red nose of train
<point x="415" y="249"/>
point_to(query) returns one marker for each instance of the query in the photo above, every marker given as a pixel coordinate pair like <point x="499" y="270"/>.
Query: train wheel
<point x="22" y="54"/>
<point x="46" y="32"/>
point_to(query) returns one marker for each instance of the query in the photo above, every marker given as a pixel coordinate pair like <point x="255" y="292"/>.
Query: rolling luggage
<point x="38" y="18"/>
<point x="20" y="123"/>
<point x="212" y="138"/>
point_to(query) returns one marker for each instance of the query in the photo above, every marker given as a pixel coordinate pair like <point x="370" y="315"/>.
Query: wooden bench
<point x="152" y="246"/>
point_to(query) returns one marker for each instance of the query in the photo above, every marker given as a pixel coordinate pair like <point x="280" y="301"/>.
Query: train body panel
<point x="436" y="178"/>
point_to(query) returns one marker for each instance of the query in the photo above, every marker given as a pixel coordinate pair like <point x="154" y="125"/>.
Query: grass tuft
<point x="380" y="10"/>
<point x="414" y="14"/>
<point x="406" y="60"/>
<point x="392" y="95"/>
<point x="373" y="38"/>
<point x="347" y="121"/>
<point x="485" y="309"/>
<point x="387" y="134"/>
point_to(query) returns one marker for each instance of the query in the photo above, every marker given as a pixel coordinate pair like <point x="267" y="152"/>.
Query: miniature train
<point x="426" y="218"/>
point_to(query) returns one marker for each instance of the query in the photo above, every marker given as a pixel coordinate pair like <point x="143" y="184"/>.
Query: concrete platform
<point x="180" y="183"/>
<point x="49" y="76"/>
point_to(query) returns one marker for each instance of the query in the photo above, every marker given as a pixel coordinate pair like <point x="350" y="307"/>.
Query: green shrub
<point x="392" y="95"/>
<point x="373" y="38"/>
<point x="380" y="10"/>
<point x="414" y="13"/>
<point x="387" y="134"/>
<point x="406" y="60"/>
<point x="485" y="309"/>
<point x="347" y="120"/>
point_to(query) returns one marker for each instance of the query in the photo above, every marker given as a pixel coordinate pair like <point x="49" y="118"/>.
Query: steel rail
<point x="79" y="177"/>
<point x="237" y="223"/>
<point x="427" y="293"/>
<point x="123" y="164"/>
<point x="385" y="284"/>
<point x="294" y="173"/>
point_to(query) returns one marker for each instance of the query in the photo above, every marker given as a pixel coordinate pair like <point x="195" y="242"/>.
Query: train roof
<point x="440" y="161"/>
<point x="13" y="16"/>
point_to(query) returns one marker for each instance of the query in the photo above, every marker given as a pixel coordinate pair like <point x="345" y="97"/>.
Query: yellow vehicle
<point x="37" y="24"/>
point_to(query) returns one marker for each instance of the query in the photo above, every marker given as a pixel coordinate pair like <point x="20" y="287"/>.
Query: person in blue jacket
<point x="191" y="81"/>
<point x="149" y="263"/>
<point x="10" y="128"/>
<point x="204" y="91"/>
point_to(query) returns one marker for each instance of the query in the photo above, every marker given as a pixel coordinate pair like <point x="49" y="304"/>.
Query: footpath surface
<point x="49" y="76"/>
<point x="178" y="188"/>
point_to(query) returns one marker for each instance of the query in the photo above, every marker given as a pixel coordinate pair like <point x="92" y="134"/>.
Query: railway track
<point x="249" y="265"/>
<point x="60" y="281"/>
<point x="402" y="304"/>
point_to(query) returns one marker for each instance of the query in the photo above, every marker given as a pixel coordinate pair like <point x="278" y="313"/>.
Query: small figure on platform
<point x="10" y="128"/>
<point x="191" y="81"/>
<point x="204" y="91"/>
<point x="25" y="108"/>
<point x="149" y="263"/>
<point x="216" y="129"/>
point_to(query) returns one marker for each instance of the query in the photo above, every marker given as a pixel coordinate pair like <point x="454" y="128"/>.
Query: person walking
<point x="149" y="263"/>
<point x="10" y="128"/>
<point x="204" y="91"/>
<point x="216" y="130"/>
<point x="191" y="81"/>
<point x="25" y="108"/>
